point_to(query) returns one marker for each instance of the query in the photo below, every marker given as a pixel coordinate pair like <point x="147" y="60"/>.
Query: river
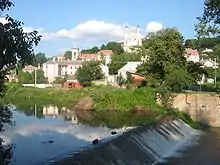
<point x="42" y="134"/>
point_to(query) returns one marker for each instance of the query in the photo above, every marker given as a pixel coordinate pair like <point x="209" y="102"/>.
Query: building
<point x="209" y="63"/>
<point x="130" y="67"/>
<point x="192" y="55"/>
<point x="30" y="68"/>
<point x="132" y="38"/>
<point x="59" y="66"/>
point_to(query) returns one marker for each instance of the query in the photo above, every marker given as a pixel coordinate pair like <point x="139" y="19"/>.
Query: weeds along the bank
<point x="106" y="98"/>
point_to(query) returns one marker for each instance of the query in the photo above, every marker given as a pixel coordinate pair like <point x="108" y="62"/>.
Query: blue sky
<point x="85" y="23"/>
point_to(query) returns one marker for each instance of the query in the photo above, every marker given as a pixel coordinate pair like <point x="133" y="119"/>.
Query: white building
<point x="192" y="55"/>
<point x="129" y="67"/>
<point x="58" y="66"/>
<point x="209" y="63"/>
<point x="132" y="38"/>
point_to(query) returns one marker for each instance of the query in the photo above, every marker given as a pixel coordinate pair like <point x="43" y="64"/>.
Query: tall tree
<point x="115" y="47"/>
<point x="16" y="46"/>
<point x="102" y="47"/>
<point x="88" y="72"/>
<point x="165" y="58"/>
<point x="40" y="58"/>
<point x="68" y="55"/>
<point x="209" y="22"/>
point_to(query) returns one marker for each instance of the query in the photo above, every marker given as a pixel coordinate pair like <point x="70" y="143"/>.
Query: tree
<point x="196" y="71"/>
<point x="166" y="62"/>
<point x="59" y="80"/>
<point x="16" y="46"/>
<point x="119" y="60"/>
<point x="115" y="47"/>
<point x="29" y="77"/>
<point x="88" y="72"/>
<point x="209" y="22"/>
<point x="68" y="55"/>
<point x="191" y="43"/>
<point x="103" y="47"/>
<point x="40" y="58"/>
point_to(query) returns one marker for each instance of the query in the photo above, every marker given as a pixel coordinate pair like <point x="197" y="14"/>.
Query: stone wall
<point x="201" y="107"/>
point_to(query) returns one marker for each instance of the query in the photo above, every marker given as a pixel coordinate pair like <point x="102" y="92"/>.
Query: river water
<point x="47" y="133"/>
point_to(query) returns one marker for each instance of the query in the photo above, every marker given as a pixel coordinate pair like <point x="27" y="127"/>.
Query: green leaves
<point x="88" y="72"/>
<point x="16" y="46"/>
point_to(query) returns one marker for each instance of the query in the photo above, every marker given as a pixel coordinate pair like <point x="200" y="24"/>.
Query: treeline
<point x="114" y="46"/>
<point x="203" y="43"/>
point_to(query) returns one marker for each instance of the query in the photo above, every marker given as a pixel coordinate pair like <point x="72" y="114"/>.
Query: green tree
<point x="119" y="60"/>
<point x="209" y="22"/>
<point x="115" y="47"/>
<point x="59" y="80"/>
<point x="165" y="59"/>
<point x="40" y="58"/>
<point x="88" y="72"/>
<point x="68" y="55"/>
<point x="196" y="71"/>
<point x="29" y="77"/>
<point x="103" y="47"/>
<point x="191" y="43"/>
<point x="16" y="46"/>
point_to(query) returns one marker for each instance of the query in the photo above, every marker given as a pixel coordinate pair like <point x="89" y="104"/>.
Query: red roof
<point x="88" y="56"/>
<point x="106" y="52"/>
<point x="192" y="52"/>
<point x="29" y="67"/>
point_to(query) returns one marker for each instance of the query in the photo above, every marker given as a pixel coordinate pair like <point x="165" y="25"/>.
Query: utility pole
<point x="215" y="72"/>
<point x="35" y="77"/>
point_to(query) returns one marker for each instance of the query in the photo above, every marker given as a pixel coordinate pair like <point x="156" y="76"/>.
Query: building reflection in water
<point x="63" y="112"/>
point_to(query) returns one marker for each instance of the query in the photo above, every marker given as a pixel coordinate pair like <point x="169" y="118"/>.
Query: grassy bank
<point x="105" y="99"/>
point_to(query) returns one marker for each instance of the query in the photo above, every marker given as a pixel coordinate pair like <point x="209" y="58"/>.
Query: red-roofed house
<point x="88" y="57"/>
<point x="29" y="68"/>
<point x="192" y="55"/>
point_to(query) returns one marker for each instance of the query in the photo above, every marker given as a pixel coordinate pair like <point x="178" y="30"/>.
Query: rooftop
<point x="191" y="52"/>
<point x="66" y="62"/>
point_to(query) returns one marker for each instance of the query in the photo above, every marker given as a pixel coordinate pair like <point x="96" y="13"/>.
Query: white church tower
<point x="132" y="38"/>
<point x="75" y="53"/>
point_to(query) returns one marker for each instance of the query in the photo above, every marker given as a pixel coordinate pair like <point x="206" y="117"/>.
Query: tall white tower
<point x="75" y="53"/>
<point x="132" y="38"/>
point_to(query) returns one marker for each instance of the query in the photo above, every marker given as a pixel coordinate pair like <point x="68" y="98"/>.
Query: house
<point x="132" y="38"/>
<point x="59" y="66"/>
<point x="209" y="63"/>
<point x="192" y="55"/>
<point x="29" y="68"/>
<point x="54" y="69"/>
<point x="129" y="67"/>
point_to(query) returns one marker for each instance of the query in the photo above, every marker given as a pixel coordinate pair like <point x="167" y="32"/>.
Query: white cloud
<point x="89" y="30"/>
<point x="154" y="26"/>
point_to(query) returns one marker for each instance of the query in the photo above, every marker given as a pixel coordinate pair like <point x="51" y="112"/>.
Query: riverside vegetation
<point x="130" y="106"/>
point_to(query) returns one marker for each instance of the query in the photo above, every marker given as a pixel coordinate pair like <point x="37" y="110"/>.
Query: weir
<point x="146" y="145"/>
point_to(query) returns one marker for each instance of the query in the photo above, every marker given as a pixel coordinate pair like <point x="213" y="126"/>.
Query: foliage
<point x="59" y="80"/>
<point x="210" y="72"/>
<point x="94" y="50"/>
<point x="16" y="46"/>
<point x="68" y="55"/>
<point x="120" y="80"/>
<point x="29" y="77"/>
<point x="40" y="58"/>
<point x="115" y="47"/>
<point x="88" y="72"/>
<point x="119" y="60"/>
<point x="209" y="22"/>
<point x="195" y="71"/>
<point x="166" y="63"/>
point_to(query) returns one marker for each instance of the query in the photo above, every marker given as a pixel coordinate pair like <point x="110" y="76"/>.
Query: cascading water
<point x="142" y="145"/>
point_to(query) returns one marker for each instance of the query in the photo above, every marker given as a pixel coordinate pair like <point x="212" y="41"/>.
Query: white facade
<point x="209" y="63"/>
<point x="75" y="53"/>
<point x="193" y="58"/>
<point x="129" y="67"/>
<point x="132" y="38"/>
<point x="54" y="69"/>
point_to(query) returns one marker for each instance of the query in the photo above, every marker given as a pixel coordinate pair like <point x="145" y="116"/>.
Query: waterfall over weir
<point x="141" y="146"/>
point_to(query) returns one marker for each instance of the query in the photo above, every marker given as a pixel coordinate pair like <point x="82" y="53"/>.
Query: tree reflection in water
<point x="5" y="150"/>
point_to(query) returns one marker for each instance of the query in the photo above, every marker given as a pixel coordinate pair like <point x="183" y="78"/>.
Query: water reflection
<point x="48" y="132"/>
<point x="5" y="147"/>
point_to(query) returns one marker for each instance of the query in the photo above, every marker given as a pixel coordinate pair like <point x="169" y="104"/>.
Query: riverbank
<point x="105" y="98"/>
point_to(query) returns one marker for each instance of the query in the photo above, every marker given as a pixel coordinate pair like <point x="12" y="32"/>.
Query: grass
<point x="106" y="98"/>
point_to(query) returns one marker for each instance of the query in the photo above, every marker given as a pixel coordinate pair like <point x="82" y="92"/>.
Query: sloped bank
<point x="142" y="145"/>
